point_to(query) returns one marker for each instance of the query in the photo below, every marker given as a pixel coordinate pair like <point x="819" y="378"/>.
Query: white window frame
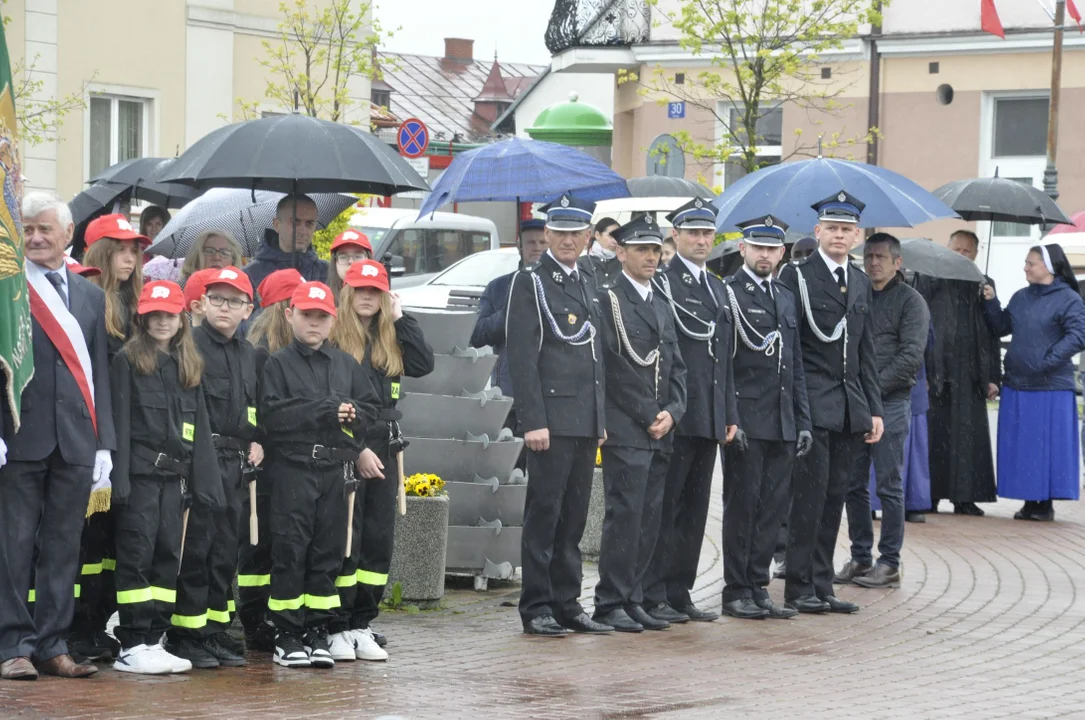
<point x="151" y="100"/>
<point x="723" y="109"/>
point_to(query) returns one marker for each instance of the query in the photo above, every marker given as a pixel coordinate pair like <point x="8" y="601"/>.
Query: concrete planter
<point x="445" y="416"/>
<point x="475" y="500"/>
<point x="421" y="542"/>
<point x="593" y="531"/>
<point x="491" y="546"/>
<point x="465" y="371"/>
<point x="445" y="330"/>
<point x="462" y="460"/>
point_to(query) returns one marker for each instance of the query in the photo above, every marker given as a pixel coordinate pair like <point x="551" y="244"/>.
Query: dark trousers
<point x="308" y="535"/>
<point x="755" y="495"/>
<point x="819" y="483"/>
<point x="686" y="495"/>
<point x="254" y="561"/>
<point x="887" y="456"/>
<point x="634" y="481"/>
<point x="555" y="512"/>
<point x="43" y="502"/>
<point x="364" y="575"/>
<point x="148" y="528"/>
<point x="205" y="585"/>
<point x="97" y="594"/>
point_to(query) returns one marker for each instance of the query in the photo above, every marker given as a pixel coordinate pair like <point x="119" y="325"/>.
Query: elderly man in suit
<point x="61" y="451"/>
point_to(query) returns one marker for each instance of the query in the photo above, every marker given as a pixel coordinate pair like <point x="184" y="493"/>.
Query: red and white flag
<point x="1072" y="9"/>
<point x="989" y="21"/>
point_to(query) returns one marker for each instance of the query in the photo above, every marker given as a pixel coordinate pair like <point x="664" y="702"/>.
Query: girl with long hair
<point x="349" y="247"/>
<point x="1038" y="442"/>
<point x="165" y="456"/>
<point x="116" y="249"/>
<point x="374" y="330"/>
<point x="213" y="249"/>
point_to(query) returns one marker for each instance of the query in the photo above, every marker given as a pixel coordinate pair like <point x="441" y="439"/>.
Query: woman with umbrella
<point x="1037" y="418"/>
<point x="214" y="248"/>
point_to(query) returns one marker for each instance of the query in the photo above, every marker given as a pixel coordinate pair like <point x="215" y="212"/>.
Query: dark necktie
<point x="704" y="284"/>
<point x="58" y="284"/>
<point x="841" y="281"/>
<point x="574" y="276"/>
<point x="648" y="297"/>
<point x="766" y="285"/>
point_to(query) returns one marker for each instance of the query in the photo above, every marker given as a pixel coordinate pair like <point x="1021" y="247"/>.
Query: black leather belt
<point x="162" y="461"/>
<point x="226" y="442"/>
<point x="320" y="452"/>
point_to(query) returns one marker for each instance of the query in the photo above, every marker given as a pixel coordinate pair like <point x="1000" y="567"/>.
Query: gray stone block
<point x="418" y="560"/>
<point x="593" y="531"/>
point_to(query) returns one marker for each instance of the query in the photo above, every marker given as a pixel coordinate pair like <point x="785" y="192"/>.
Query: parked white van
<point x="422" y="247"/>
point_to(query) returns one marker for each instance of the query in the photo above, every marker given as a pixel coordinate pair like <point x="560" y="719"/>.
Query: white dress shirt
<point x="834" y="265"/>
<point x="645" y="289"/>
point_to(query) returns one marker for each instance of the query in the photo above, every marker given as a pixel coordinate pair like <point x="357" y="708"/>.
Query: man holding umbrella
<point x="291" y="238"/>
<point x="845" y="399"/>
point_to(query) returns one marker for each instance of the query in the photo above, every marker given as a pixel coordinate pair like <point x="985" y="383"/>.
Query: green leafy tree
<point x="762" y="55"/>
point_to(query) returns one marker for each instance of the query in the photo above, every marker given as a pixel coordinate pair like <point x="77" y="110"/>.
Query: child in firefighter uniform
<point x="374" y="330"/>
<point x="316" y="405"/>
<point x="165" y="456"/>
<point x="205" y="587"/>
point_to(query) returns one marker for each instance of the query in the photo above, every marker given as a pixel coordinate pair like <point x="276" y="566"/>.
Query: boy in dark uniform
<point x="316" y="404"/>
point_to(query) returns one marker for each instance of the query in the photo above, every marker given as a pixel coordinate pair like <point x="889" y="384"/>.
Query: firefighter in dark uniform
<point x="834" y="302"/>
<point x="695" y="299"/>
<point x="774" y="415"/>
<point x="645" y="399"/>
<point x="556" y="364"/>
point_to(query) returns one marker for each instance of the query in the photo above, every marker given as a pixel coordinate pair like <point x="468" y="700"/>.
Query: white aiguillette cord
<point x="706" y="336"/>
<point x="768" y="344"/>
<point x="841" y="329"/>
<point x="619" y="325"/>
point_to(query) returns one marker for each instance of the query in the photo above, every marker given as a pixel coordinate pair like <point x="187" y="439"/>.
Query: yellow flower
<point x="423" y="489"/>
<point x="599" y="458"/>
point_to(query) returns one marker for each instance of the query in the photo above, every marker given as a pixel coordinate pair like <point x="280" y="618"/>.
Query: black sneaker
<point x="289" y="652"/>
<point x="261" y="639"/>
<point x="103" y="639"/>
<point x="85" y="647"/>
<point x="221" y="651"/>
<point x="230" y="642"/>
<point x="191" y="649"/>
<point x="319" y="647"/>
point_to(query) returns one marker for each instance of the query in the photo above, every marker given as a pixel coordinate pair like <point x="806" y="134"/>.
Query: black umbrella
<point x="659" y="186"/>
<point x="94" y="201"/>
<point x="929" y="258"/>
<point x="134" y="176"/>
<point x="294" y="154"/>
<point x="1001" y="199"/>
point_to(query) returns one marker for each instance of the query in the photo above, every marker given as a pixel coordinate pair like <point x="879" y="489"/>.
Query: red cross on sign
<point x="412" y="138"/>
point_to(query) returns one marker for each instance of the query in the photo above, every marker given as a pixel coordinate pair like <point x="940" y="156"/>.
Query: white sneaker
<point x="177" y="664"/>
<point x="342" y="646"/>
<point x="365" y="647"/>
<point x="142" y="660"/>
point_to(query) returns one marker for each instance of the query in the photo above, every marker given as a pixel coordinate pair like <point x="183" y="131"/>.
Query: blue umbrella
<point x="523" y="170"/>
<point x="789" y="189"/>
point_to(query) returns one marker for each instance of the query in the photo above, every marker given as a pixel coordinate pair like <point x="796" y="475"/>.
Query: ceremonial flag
<point x="16" y="330"/>
<point x="989" y="21"/>
<point x="1072" y="9"/>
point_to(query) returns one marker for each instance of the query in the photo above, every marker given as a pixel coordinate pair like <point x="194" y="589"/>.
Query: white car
<point x="470" y="275"/>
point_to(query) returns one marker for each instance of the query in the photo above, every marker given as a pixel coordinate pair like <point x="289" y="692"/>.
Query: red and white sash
<point x="63" y="331"/>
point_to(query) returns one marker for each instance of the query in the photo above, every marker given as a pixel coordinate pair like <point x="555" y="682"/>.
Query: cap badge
<point x="369" y="271"/>
<point x="227" y="275"/>
<point x="698" y="204"/>
<point x="768" y="221"/>
<point x="160" y="292"/>
<point x="565" y="201"/>
<point x="317" y="294"/>
<point x="842" y="197"/>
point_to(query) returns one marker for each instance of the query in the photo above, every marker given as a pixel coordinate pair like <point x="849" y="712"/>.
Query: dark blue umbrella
<point x="523" y="170"/>
<point x="789" y="189"/>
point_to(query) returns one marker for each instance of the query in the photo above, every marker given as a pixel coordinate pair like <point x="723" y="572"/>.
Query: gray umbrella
<point x="659" y="186"/>
<point x="1001" y="199"/>
<point x="926" y="257"/>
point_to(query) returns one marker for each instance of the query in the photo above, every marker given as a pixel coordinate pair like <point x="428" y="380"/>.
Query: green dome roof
<point x="573" y="123"/>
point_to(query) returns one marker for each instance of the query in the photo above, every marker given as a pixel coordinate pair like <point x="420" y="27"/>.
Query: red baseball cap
<point x="352" y="237"/>
<point x="367" y="273"/>
<point x="279" y="286"/>
<point x="161" y="295"/>
<point x="114" y="226"/>
<point x="313" y="296"/>
<point x="232" y="277"/>
<point x="78" y="269"/>
<point x="196" y="285"/>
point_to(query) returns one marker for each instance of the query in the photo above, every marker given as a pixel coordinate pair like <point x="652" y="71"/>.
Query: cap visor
<point x="567" y="225"/>
<point x="697" y="225"/>
<point x="315" y="305"/>
<point x="839" y="218"/>
<point x="170" y="306"/>
<point x="764" y="242"/>
<point x="230" y="284"/>
<point x="643" y="241"/>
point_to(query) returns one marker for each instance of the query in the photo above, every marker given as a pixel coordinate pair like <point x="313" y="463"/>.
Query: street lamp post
<point x="1051" y="173"/>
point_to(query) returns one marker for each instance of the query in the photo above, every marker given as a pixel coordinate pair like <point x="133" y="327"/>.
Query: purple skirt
<point x="1038" y="445"/>
<point x="917" y="471"/>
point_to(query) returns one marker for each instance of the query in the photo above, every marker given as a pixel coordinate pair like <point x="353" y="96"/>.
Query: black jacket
<point x="602" y="273"/>
<point x="556" y="385"/>
<point x="771" y="390"/>
<point x="636" y="394"/>
<point x="153" y="413"/>
<point x="710" y="380"/>
<point x="901" y="322"/>
<point x="229" y="382"/>
<point x="417" y="362"/>
<point x="835" y="393"/>
<point x="300" y="393"/>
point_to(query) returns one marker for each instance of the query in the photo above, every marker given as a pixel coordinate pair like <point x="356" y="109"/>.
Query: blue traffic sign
<point x="412" y="138"/>
<point x="676" y="110"/>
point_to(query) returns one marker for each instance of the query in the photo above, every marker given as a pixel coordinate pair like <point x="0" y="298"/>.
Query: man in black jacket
<point x="646" y="397"/>
<point x="900" y="321"/>
<point x="556" y="365"/>
<point x="845" y="400"/>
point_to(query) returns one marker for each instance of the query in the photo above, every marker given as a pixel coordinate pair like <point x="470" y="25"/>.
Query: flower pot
<point x="448" y="417"/>
<point x="464" y="371"/>
<point x="421" y="539"/>
<point x="445" y="330"/>
<point x="593" y="531"/>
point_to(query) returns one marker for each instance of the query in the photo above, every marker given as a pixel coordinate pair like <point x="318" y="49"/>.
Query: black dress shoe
<point x="637" y="613"/>
<point x="745" y="609"/>
<point x="667" y="614"/>
<point x="914" y="516"/>
<point x="967" y="508"/>
<point x="544" y="626"/>
<point x="808" y="604"/>
<point x="851" y="570"/>
<point x="836" y="605"/>
<point x="619" y="620"/>
<point x="85" y="648"/>
<point x="1043" y="511"/>
<point x="775" y="611"/>
<point x="698" y="615"/>
<point x="584" y="624"/>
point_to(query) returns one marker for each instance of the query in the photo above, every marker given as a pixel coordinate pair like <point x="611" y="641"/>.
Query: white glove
<point x="103" y="465"/>
<point x="3" y="453"/>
